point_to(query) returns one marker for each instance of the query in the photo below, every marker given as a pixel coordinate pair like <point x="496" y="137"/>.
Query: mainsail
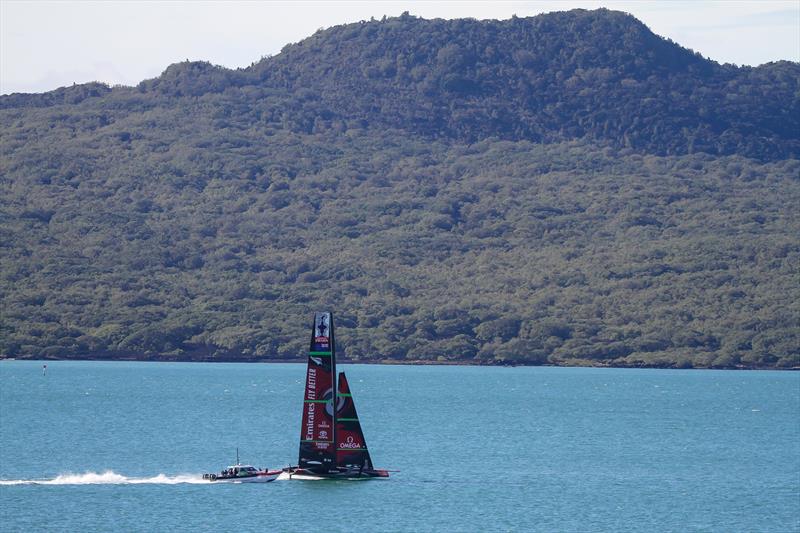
<point x="351" y="448"/>
<point x="318" y="430"/>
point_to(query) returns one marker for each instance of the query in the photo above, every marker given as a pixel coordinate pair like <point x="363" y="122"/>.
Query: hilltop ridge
<point x="600" y="75"/>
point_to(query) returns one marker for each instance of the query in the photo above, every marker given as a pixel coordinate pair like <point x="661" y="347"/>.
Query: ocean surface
<point x="121" y="446"/>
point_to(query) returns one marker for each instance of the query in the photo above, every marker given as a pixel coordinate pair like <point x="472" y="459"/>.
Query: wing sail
<point x="318" y="429"/>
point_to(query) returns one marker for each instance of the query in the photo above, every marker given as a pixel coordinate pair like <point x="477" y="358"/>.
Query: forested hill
<point x="599" y="75"/>
<point x="564" y="189"/>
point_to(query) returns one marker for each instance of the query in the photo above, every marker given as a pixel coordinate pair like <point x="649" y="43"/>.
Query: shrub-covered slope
<point x="567" y="189"/>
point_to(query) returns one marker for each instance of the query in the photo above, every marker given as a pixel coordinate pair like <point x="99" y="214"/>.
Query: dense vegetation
<point x="565" y="189"/>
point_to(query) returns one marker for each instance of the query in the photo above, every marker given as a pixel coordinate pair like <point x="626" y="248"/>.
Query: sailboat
<point x="332" y="444"/>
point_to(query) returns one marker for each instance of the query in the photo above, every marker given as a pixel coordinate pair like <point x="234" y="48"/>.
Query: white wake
<point x="107" y="478"/>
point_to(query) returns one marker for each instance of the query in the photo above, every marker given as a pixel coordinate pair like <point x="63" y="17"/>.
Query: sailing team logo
<point x="322" y="328"/>
<point x="328" y="396"/>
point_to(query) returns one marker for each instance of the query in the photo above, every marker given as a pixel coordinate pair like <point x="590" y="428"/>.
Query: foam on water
<point x="107" y="478"/>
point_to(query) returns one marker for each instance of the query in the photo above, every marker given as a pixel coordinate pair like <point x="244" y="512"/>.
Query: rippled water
<point x="101" y="446"/>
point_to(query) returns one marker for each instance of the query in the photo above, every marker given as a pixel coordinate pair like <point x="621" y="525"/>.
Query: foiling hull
<point x="302" y="474"/>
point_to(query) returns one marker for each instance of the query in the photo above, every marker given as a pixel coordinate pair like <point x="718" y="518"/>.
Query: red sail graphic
<point x="318" y="433"/>
<point x="351" y="448"/>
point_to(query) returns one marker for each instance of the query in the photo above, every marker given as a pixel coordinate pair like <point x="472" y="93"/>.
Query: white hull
<point x="283" y="476"/>
<point x="252" y="479"/>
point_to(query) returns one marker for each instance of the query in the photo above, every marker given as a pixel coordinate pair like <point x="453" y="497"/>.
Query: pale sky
<point x="49" y="44"/>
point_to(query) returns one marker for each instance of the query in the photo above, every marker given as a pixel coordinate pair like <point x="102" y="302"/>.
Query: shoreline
<point x="414" y="362"/>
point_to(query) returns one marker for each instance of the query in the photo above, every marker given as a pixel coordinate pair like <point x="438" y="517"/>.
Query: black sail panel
<point x="318" y="429"/>
<point x="351" y="447"/>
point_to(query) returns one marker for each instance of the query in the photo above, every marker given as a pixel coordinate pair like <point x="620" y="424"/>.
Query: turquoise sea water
<point x="120" y="446"/>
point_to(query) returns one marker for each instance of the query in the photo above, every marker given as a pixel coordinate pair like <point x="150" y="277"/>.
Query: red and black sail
<point x="351" y="448"/>
<point x="318" y="430"/>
